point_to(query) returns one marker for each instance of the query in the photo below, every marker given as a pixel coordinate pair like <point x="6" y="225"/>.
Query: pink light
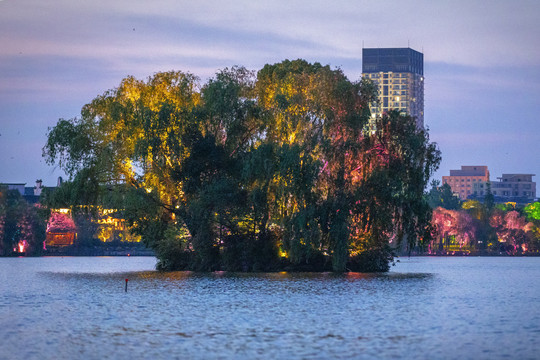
<point x="324" y="167"/>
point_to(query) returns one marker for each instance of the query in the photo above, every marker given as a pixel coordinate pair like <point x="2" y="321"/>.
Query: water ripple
<point x="424" y="308"/>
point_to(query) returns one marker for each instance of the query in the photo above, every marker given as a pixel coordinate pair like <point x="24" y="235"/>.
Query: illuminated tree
<point x="486" y="236"/>
<point x="132" y="136"/>
<point x="314" y="118"/>
<point x="512" y="230"/>
<point x="508" y="206"/>
<point x="453" y="224"/>
<point x="246" y="169"/>
<point x="533" y="211"/>
<point x="397" y="163"/>
<point x="533" y="215"/>
<point x="59" y="222"/>
<point x="20" y="223"/>
<point x="14" y="210"/>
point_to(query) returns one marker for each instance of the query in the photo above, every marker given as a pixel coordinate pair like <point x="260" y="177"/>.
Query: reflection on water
<point x="424" y="308"/>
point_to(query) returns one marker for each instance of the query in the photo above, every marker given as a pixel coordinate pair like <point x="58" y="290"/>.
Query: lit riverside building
<point x="462" y="182"/>
<point x="399" y="74"/>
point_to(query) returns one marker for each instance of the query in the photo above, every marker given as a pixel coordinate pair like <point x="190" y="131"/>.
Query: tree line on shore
<point x="468" y="227"/>
<point x="21" y="224"/>
<point x="482" y="227"/>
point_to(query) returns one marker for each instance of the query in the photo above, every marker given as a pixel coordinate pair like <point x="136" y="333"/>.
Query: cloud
<point x="457" y="32"/>
<point x="485" y="139"/>
<point x="481" y="60"/>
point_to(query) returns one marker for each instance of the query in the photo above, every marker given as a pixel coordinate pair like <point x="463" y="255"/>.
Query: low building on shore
<point x="462" y="181"/>
<point x="517" y="188"/>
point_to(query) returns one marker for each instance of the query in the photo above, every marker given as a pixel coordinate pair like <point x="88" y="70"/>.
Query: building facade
<point x="30" y="194"/>
<point x="399" y="75"/>
<point x="465" y="181"/>
<point x="514" y="187"/>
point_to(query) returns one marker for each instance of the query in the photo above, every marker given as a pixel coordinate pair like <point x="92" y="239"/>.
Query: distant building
<point x="20" y="187"/>
<point x="515" y="188"/>
<point x="31" y="194"/>
<point x="462" y="182"/>
<point x="399" y="75"/>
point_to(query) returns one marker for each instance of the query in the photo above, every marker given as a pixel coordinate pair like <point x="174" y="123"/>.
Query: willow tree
<point x="397" y="163"/>
<point x="233" y="173"/>
<point x="132" y="135"/>
<point x="216" y="208"/>
<point x="315" y="120"/>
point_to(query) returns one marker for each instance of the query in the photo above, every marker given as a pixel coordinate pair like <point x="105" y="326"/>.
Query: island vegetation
<point x="252" y="171"/>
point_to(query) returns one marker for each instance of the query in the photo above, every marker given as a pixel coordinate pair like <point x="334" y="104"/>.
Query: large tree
<point x="245" y="169"/>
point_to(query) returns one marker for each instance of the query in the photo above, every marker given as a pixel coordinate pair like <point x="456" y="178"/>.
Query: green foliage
<point x="442" y="196"/>
<point x="172" y="251"/>
<point x="70" y="144"/>
<point x="489" y="199"/>
<point x="533" y="211"/>
<point x="20" y="221"/>
<point x="401" y="163"/>
<point x="251" y="172"/>
<point x="376" y="260"/>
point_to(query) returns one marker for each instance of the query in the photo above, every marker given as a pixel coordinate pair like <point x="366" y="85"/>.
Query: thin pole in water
<point x="126" y="284"/>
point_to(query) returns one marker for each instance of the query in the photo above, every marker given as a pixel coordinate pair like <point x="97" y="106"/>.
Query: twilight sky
<point x="481" y="63"/>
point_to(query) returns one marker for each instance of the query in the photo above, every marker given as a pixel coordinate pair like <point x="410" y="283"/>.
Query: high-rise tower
<point x="399" y="74"/>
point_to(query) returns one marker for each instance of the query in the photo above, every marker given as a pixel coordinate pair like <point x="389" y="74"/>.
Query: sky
<point x="481" y="63"/>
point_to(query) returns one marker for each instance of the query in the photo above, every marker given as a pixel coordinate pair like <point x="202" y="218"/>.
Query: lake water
<point x="424" y="308"/>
